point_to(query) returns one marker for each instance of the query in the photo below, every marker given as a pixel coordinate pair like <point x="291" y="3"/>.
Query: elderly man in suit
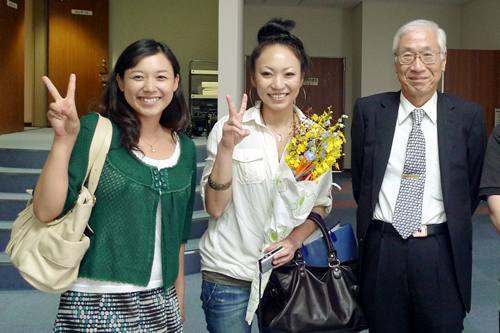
<point x="416" y="164"/>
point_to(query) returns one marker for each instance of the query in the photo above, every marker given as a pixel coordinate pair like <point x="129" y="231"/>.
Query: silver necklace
<point x="152" y="149"/>
<point x="279" y="134"/>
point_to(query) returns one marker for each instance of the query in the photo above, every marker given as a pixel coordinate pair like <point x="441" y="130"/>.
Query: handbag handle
<point x="333" y="259"/>
<point x="99" y="148"/>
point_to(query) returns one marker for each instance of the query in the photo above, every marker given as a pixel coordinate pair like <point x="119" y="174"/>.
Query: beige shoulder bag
<point x="48" y="254"/>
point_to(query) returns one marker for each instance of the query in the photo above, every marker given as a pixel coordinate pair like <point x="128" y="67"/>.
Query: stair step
<point x="6" y="225"/>
<point x="16" y="171"/>
<point x="15" y="179"/>
<point x="201" y="150"/>
<point x="5" y="259"/>
<point x="18" y="179"/>
<point x="192" y="262"/>
<point x="192" y="245"/>
<point x="198" y="228"/>
<point x="11" y="278"/>
<point x="11" y="204"/>
<point x="198" y="215"/>
<point x="23" y="158"/>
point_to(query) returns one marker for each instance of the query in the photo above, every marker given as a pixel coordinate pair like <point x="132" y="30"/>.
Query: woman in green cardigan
<point x="132" y="276"/>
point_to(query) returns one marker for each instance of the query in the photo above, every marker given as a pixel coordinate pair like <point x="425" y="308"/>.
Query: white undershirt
<point x="432" y="205"/>
<point x="156" y="279"/>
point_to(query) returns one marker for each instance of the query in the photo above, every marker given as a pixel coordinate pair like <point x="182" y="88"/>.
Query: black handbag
<point x="305" y="298"/>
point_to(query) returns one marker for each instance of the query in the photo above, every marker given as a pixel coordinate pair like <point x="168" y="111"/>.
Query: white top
<point x="156" y="279"/>
<point x="432" y="206"/>
<point x="231" y="244"/>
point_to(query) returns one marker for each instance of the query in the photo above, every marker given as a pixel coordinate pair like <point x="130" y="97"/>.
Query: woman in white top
<point x="244" y="152"/>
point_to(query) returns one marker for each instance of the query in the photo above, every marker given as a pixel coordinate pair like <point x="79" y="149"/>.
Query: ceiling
<point x="342" y="3"/>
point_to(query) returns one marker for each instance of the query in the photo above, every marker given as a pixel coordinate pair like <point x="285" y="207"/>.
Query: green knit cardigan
<point x="124" y="216"/>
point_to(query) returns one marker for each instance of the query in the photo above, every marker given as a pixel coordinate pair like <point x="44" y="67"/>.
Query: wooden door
<point x="78" y="43"/>
<point x="324" y="87"/>
<point x="473" y="75"/>
<point x="11" y="66"/>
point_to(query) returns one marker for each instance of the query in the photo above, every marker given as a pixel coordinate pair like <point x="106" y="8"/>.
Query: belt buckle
<point x="421" y="232"/>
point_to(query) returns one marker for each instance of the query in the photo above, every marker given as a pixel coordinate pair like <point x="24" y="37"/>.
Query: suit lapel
<point x="385" y="119"/>
<point x="446" y="123"/>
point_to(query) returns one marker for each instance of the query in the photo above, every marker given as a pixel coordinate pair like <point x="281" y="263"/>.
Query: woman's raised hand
<point x="233" y="131"/>
<point x="62" y="112"/>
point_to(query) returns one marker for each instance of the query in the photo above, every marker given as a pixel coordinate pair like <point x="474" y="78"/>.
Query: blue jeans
<point x="225" y="308"/>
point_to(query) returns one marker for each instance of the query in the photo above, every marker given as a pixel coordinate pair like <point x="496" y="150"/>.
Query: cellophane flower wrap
<point x="315" y="147"/>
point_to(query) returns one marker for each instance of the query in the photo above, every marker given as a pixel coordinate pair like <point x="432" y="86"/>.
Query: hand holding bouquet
<point x="316" y="147"/>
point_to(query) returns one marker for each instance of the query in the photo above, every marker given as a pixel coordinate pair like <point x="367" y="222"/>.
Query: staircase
<point x="22" y="156"/>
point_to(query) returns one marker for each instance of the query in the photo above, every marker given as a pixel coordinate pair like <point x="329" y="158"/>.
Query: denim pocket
<point x="208" y="289"/>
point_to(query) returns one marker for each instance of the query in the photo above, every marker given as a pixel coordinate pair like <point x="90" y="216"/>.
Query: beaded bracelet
<point x="217" y="186"/>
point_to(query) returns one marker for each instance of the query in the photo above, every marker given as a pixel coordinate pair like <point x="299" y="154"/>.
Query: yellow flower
<point x="320" y="140"/>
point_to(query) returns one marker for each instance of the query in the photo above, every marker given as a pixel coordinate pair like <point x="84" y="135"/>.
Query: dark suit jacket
<point x="462" y="141"/>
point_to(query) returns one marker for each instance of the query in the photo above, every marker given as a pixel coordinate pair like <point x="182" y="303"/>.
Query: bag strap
<point x="98" y="151"/>
<point x="332" y="253"/>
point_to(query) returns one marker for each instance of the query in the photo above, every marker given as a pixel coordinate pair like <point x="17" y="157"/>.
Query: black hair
<point x="277" y="31"/>
<point x="175" y="116"/>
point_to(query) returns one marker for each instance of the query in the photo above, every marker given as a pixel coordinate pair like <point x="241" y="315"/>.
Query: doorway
<point x="12" y="66"/>
<point x="78" y="43"/>
<point x="473" y="75"/>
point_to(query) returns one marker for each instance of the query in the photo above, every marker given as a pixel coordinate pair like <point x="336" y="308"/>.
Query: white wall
<point x="188" y="27"/>
<point x="232" y="73"/>
<point x="381" y="20"/>
<point x="320" y="29"/>
<point x="357" y="50"/>
<point x="481" y="25"/>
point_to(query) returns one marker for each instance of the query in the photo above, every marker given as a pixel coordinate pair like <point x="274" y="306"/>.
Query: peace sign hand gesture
<point x="233" y="131"/>
<point x="62" y="112"/>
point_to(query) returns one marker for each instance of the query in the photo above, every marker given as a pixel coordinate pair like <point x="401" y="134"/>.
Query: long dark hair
<point x="277" y="31"/>
<point x="176" y="115"/>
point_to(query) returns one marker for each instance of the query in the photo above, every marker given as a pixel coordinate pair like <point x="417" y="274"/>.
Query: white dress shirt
<point x="231" y="244"/>
<point x="432" y="206"/>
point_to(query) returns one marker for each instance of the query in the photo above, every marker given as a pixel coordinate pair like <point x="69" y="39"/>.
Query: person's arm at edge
<point x="179" y="283"/>
<point x="494" y="207"/>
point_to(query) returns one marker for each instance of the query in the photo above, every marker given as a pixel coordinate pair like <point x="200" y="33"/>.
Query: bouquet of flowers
<point x="316" y="147"/>
<point x="301" y="179"/>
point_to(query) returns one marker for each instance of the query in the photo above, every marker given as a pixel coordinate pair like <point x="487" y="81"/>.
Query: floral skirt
<point x="154" y="310"/>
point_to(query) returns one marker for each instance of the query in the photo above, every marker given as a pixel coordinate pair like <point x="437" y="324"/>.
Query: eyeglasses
<point x="428" y="57"/>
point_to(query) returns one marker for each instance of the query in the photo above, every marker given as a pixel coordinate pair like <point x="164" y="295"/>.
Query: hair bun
<point x="275" y="29"/>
